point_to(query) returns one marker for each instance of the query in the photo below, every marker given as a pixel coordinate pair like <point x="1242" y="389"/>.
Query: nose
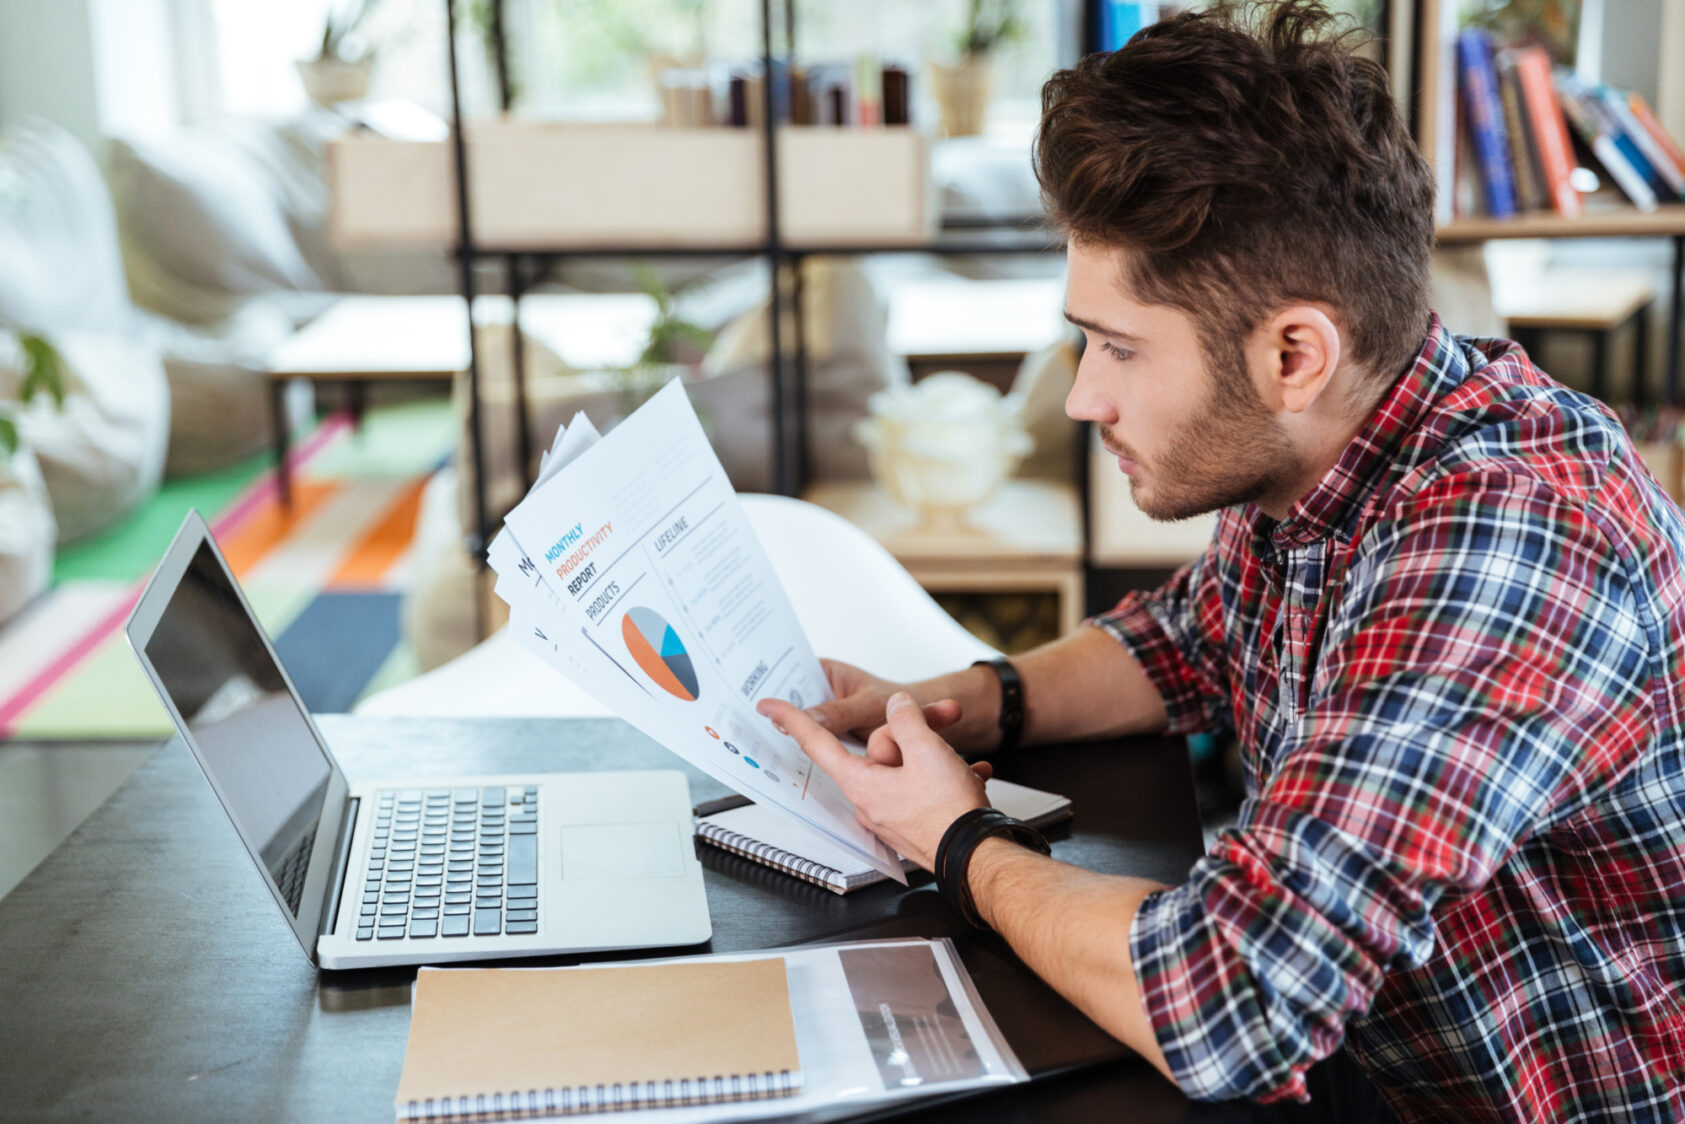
<point x="1088" y="400"/>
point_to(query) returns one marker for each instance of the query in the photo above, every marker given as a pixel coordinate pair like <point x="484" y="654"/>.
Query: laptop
<point x="407" y="870"/>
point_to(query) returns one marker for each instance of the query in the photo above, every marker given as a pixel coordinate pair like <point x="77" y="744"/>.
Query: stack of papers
<point x="631" y="569"/>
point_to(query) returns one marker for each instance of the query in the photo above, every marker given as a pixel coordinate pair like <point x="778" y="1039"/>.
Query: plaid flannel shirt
<point x="1455" y="672"/>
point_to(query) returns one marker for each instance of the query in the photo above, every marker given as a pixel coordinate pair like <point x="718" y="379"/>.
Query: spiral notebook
<point x="778" y="840"/>
<point x="493" y="1043"/>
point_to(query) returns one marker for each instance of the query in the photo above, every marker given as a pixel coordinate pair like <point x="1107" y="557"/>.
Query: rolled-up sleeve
<point x="1488" y="670"/>
<point x="1176" y="633"/>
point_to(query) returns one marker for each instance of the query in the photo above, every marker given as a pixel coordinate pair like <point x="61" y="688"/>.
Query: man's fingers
<point x="941" y="714"/>
<point x="983" y="769"/>
<point x="844" y="678"/>
<point x="815" y="740"/>
<point x="861" y="710"/>
<point x="906" y="719"/>
<point x="881" y="748"/>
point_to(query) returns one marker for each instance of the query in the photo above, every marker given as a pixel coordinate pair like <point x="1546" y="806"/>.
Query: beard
<point x="1234" y="451"/>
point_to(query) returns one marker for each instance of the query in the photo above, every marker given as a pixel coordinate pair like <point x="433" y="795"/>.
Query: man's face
<point x="1188" y="428"/>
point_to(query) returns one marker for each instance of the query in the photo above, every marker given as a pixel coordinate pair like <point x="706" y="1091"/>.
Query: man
<point x="1442" y="612"/>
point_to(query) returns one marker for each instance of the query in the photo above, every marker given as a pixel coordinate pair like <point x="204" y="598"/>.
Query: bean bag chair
<point x="61" y="277"/>
<point x="27" y="532"/>
<point x="219" y="384"/>
<point x="101" y="453"/>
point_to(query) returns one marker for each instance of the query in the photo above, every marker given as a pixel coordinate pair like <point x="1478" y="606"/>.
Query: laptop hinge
<point x="342" y="869"/>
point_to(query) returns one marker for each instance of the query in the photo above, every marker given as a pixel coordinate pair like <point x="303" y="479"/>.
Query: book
<point x="1580" y="106"/>
<point x="829" y="93"/>
<point x="777" y="841"/>
<point x="1524" y="156"/>
<point x="1485" y="116"/>
<point x="493" y="1043"/>
<point x="1603" y="117"/>
<point x="1549" y="130"/>
<point x="1642" y="113"/>
<point x="1661" y="162"/>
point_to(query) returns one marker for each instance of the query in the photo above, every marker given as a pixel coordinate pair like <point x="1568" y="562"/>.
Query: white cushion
<point x="102" y="454"/>
<point x="60" y="268"/>
<point x="204" y="225"/>
<point x="27" y="533"/>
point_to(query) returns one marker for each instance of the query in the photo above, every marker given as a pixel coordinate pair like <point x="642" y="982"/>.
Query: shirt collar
<point x="1328" y="510"/>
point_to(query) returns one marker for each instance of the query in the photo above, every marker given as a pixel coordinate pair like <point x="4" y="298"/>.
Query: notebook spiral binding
<point x="574" y="1099"/>
<point x="817" y="873"/>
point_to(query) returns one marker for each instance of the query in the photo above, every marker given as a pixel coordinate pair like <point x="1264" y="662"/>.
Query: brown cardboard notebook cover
<point x="514" y="1040"/>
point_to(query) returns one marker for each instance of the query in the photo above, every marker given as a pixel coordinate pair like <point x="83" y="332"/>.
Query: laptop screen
<point x="251" y="733"/>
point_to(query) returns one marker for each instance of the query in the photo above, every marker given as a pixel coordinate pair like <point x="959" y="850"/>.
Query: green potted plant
<point x="674" y="345"/>
<point x="341" y="69"/>
<point x="27" y="527"/>
<point x="962" y="88"/>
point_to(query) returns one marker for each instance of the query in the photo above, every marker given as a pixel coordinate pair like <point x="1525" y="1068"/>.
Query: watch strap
<point x="1011" y="721"/>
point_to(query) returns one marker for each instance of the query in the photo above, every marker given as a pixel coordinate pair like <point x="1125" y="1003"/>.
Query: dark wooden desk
<point x="144" y="971"/>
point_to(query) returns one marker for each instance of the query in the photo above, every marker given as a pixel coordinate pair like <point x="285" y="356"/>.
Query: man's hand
<point x="910" y="785"/>
<point x="861" y="700"/>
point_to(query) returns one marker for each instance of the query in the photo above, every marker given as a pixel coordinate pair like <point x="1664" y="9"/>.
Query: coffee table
<point x="364" y="339"/>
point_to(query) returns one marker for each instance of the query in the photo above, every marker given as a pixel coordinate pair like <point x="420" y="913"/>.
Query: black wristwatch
<point x="1011" y="701"/>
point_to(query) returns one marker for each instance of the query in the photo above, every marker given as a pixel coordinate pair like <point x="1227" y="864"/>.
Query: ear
<point x="1297" y="352"/>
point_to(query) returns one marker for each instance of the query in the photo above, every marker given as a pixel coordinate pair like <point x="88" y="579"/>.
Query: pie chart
<point x="659" y="652"/>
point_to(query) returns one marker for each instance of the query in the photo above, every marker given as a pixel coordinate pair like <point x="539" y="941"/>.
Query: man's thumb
<point x="851" y="712"/>
<point x="905" y="716"/>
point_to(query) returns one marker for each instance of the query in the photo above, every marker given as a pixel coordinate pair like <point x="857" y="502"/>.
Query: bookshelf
<point x="545" y="186"/>
<point x="1429" y="53"/>
<point x="1614" y="222"/>
<point x="450" y="207"/>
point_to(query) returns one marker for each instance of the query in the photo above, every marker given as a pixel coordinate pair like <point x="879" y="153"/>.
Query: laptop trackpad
<point x="621" y="850"/>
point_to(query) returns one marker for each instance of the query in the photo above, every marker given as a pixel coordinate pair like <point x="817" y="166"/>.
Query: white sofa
<point x="225" y="248"/>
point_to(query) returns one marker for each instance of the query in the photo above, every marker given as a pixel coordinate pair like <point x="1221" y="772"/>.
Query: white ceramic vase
<point x="943" y="445"/>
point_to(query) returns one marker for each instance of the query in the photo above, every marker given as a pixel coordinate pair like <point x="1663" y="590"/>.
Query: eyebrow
<point x="1114" y="333"/>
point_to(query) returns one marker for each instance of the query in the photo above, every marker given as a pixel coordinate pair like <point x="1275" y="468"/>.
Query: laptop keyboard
<point x="452" y="863"/>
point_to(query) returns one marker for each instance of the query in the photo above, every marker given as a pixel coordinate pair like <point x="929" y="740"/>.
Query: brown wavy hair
<point x="1247" y="158"/>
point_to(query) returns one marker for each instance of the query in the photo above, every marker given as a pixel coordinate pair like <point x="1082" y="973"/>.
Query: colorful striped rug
<point x="324" y="576"/>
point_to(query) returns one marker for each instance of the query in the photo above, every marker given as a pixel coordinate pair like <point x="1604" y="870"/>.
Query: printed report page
<point x="633" y="564"/>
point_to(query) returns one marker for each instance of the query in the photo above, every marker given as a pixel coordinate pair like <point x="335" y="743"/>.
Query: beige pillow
<point x="202" y="225"/>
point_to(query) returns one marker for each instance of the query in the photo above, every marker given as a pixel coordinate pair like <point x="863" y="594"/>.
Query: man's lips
<point x="1125" y="462"/>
